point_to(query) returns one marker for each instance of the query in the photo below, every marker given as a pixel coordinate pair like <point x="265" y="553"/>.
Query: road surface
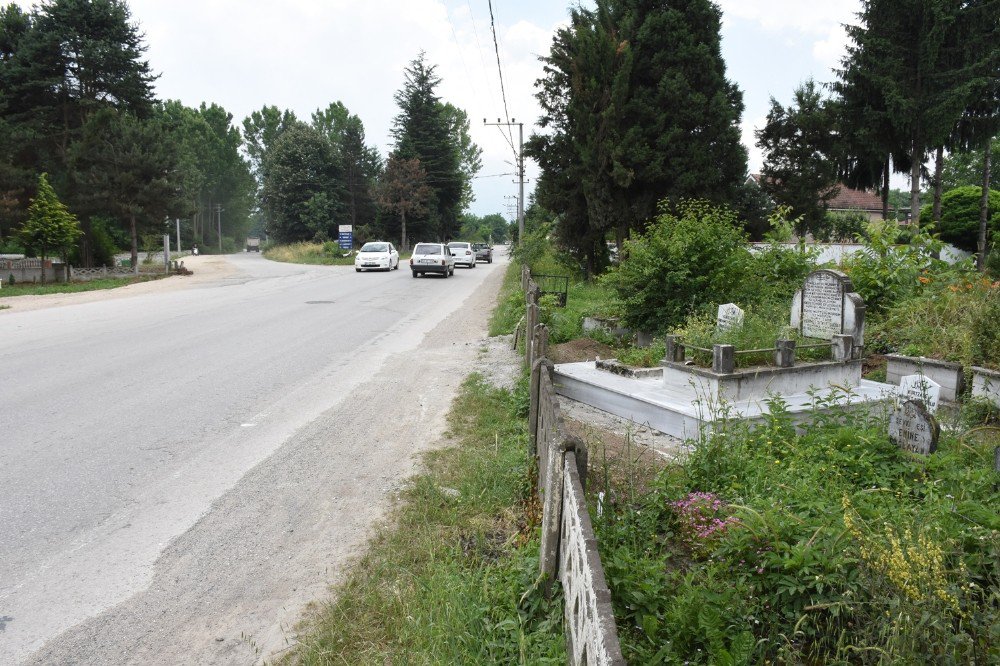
<point x="184" y="468"/>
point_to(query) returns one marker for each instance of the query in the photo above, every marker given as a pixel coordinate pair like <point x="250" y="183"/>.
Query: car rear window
<point x="425" y="248"/>
<point x="455" y="246"/>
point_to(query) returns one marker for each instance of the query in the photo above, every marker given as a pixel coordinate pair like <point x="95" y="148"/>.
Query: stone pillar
<point x="723" y="359"/>
<point x="643" y="339"/>
<point x="784" y="353"/>
<point x="843" y="347"/>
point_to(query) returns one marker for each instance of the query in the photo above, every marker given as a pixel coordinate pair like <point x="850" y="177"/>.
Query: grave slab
<point x="685" y="411"/>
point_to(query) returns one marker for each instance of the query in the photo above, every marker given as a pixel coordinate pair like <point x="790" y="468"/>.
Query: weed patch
<point x="36" y="289"/>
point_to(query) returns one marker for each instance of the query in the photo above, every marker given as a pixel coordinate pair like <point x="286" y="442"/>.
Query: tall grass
<point x="445" y="582"/>
<point x="326" y="254"/>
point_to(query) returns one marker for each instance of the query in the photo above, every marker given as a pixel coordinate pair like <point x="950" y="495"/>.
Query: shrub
<point x="884" y="274"/>
<point x="960" y="209"/>
<point x="683" y="261"/>
<point x="845" y="227"/>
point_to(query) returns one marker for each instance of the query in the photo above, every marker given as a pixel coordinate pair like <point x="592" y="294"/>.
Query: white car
<point x="378" y="256"/>
<point x="464" y="254"/>
<point x="432" y="258"/>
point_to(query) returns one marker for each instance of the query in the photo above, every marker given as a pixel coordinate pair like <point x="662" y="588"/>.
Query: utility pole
<point x="178" y="221"/>
<point x="520" y="171"/>
<point x="218" y="210"/>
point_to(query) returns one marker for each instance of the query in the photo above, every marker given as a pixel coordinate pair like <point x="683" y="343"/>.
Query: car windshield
<point x="375" y="247"/>
<point x="427" y="249"/>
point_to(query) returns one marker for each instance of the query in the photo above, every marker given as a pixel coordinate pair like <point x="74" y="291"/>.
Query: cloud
<point x="782" y="15"/>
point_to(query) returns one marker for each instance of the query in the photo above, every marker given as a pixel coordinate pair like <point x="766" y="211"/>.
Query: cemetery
<point x="683" y="397"/>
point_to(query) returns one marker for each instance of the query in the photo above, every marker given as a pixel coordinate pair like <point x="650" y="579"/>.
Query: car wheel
<point x="490" y="260"/>
<point x="416" y="274"/>
<point x="473" y="265"/>
<point x="357" y="270"/>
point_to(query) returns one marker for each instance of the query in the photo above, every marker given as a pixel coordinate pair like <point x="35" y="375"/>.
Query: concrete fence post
<point x="784" y="353"/>
<point x="675" y="351"/>
<point x="843" y="347"/>
<point x="723" y="358"/>
<point x="531" y="320"/>
<point x="534" y="392"/>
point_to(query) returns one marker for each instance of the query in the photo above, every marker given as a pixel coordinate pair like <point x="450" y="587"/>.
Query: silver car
<point x="432" y="258"/>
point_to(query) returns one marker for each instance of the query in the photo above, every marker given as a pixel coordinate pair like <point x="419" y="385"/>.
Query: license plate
<point x="427" y="261"/>
<point x="369" y="264"/>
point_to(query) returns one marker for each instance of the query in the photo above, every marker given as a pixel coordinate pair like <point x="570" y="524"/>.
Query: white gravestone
<point x="826" y="306"/>
<point x="919" y="387"/>
<point x="914" y="429"/>
<point x="730" y="316"/>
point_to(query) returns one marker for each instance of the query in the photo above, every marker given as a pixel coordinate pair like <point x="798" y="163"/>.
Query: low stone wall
<point x="32" y="270"/>
<point x="949" y="375"/>
<point x="88" y="274"/>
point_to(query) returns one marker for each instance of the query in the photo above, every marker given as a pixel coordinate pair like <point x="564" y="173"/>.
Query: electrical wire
<point x="503" y="91"/>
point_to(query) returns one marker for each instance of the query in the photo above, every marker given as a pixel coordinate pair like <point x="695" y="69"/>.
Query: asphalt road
<point x="182" y="471"/>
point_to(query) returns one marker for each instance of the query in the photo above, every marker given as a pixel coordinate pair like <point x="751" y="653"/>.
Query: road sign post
<point x="346" y="236"/>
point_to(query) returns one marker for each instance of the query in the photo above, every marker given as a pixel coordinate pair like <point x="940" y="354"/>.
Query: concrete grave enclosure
<point x="687" y="400"/>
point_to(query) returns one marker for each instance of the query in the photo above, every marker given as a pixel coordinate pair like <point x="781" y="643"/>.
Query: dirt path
<point x="206" y="268"/>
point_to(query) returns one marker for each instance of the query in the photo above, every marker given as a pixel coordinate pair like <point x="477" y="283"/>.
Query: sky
<point x="305" y="54"/>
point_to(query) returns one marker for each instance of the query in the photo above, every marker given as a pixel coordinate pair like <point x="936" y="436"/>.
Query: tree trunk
<point x="984" y="205"/>
<point x="885" y="189"/>
<point x="916" y="159"/>
<point x="938" y="168"/>
<point x="43" y="264"/>
<point x="135" y="242"/>
<point x="402" y="242"/>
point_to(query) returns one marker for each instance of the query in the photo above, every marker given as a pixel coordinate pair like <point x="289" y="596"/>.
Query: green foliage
<point x="820" y="547"/>
<point x="50" y="226"/>
<point x="845" y="227"/>
<point x="437" y="135"/>
<point x="680" y="263"/>
<point x="938" y="320"/>
<point x="763" y="324"/>
<point x="643" y="357"/>
<point x="302" y="185"/>
<point x="884" y="273"/>
<point x="985" y="330"/>
<point x="800" y="169"/>
<point x="960" y="212"/>
<point x="636" y="107"/>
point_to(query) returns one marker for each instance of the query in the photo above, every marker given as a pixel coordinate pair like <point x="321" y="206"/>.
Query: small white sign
<point x="919" y="387"/>
<point x="730" y="316"/>
<point x="346" y="228"/>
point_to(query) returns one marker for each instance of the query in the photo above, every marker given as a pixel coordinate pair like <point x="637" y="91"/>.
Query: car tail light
<point x="467" y="252"/>
<point x="411" y="261"/>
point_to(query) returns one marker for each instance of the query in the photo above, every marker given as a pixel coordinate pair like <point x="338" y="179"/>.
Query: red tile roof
<point x="849" y="199"/>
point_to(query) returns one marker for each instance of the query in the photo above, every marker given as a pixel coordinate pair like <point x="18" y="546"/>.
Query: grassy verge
<point x="36" y="289"/>
<point x="309" y="253"/>
<point x="323" y="254"/>
<point x="445" y="582"/>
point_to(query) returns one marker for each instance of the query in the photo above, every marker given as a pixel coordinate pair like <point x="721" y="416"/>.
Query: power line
<point x="503" y="92"/>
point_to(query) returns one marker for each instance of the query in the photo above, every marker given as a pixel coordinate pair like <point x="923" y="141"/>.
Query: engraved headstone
<point x="919" y="387"/>
<point x="827" y="306"/>
<point x="730" y="316"/>
<point x="914" y="429"/>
